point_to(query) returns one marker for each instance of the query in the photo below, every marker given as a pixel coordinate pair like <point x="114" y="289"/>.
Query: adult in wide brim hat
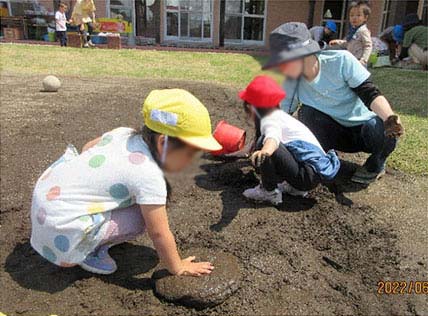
<point x="288" y="42"/>
<point x="338" y="101"/>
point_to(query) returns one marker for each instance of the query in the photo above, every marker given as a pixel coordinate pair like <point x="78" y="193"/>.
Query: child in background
<point x="84" y="15"/>
<point x="61" y="24"/>
<point x="3" y="9"/>
<point x="324" y="34"/>
<point x="393" y="37"/>
<point x="288" y="156"/>
<point x="358" y="41"/>
<point x="115" y="189"/>
<point x="415" y="41"/>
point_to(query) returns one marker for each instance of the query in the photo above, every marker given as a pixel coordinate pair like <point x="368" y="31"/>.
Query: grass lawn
<point x="406" y="90"/>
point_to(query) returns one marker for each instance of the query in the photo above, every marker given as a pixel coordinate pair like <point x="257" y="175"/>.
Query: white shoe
<point x="260" y="194"/>
<point x="91" y="44"/>
<point x="286" y="187"/>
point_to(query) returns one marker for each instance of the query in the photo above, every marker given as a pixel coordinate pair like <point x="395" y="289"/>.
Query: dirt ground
<point x="323" y="254"/>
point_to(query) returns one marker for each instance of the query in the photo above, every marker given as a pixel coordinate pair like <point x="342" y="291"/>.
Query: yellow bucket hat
<point x="178" y="113"/>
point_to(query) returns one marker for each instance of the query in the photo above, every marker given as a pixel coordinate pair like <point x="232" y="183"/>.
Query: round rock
<point x="51" y="84"/>
<point x="204" y="291"/>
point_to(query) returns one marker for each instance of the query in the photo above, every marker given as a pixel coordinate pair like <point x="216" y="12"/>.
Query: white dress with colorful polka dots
<point x="74" y="197"/>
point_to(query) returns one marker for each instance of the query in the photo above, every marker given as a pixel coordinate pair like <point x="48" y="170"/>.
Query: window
<point x="121" y="9"/>
<point x="189" y="19"/>
<point x="20" y="8"/>
<point x="245" y="21"/>
<point x="336" y="10"/>
<point x="386" y="14"/>
<point x="147" y="18"/>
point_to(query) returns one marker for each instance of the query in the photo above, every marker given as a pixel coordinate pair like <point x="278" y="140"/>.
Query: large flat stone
<point x="205" y="291"/>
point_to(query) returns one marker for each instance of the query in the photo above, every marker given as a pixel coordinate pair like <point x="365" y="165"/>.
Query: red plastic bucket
<point x="230" y="137"/>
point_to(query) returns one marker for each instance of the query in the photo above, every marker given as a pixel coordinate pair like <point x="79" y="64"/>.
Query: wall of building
<point x="375" y="21"/>
<point x="280" y="11"/>
<point x="318" y="14"/>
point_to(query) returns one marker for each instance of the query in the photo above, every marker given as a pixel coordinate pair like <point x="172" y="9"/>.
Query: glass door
<point x="147" y="18"/>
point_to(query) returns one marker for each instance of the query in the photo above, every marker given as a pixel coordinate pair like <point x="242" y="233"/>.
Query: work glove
<point x="258" y="157"/>
<point x="393" y="127"/>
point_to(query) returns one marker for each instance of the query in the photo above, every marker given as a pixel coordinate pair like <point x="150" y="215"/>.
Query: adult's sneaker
<point x="363" y="176"/>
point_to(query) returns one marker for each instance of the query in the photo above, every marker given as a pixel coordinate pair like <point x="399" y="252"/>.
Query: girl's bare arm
<point x="156" y="220"/>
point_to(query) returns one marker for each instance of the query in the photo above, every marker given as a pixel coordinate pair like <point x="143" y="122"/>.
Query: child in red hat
<point x="289" y="157"/>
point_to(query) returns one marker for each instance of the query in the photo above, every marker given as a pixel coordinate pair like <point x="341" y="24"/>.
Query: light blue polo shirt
<point x="330" y="92"/>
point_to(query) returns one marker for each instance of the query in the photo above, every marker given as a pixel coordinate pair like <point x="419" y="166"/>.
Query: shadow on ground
<point x="32" y="271"/>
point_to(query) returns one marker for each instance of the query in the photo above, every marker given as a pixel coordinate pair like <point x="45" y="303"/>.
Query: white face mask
<point x="164" y="149"/>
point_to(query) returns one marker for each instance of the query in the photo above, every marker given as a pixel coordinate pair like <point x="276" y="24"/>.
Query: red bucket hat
<point x="263" y="92"/>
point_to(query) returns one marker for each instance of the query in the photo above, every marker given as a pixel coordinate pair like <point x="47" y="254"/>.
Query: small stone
<point x="51" y="84"/>
<point x="205" y="291"/>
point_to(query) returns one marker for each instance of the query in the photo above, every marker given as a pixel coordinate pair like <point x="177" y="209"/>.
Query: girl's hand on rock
<point x="190" y="268"/>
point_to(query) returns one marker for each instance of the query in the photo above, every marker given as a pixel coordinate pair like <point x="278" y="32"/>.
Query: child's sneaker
<point x="91" y="44"/>
<point x="286" y="187"/>
<point x="99" y="261"/>
<point x="261" y="195"/>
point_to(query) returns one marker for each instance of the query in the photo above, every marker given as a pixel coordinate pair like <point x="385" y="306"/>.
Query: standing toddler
<point x="358" y="40"/>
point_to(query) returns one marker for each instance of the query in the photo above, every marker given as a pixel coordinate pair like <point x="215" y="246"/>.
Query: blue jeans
<point x="368" y="137"/>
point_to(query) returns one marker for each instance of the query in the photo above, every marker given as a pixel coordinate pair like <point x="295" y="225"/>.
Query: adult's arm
<point x="367" y="92"/>
<point x="375" y="101"/>
<point x="358" y="79"/>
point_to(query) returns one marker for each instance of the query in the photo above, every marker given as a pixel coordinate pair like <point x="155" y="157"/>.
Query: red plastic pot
<point x="230" y="137"/>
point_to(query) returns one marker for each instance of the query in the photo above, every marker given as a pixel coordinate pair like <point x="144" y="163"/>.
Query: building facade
<point x="238" y="23"/>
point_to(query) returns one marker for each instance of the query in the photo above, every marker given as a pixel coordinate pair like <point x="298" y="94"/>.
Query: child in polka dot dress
<point x="115" y="189"/>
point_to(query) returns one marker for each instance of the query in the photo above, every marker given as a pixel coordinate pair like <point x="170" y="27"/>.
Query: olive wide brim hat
<point x="288" y="42"/>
